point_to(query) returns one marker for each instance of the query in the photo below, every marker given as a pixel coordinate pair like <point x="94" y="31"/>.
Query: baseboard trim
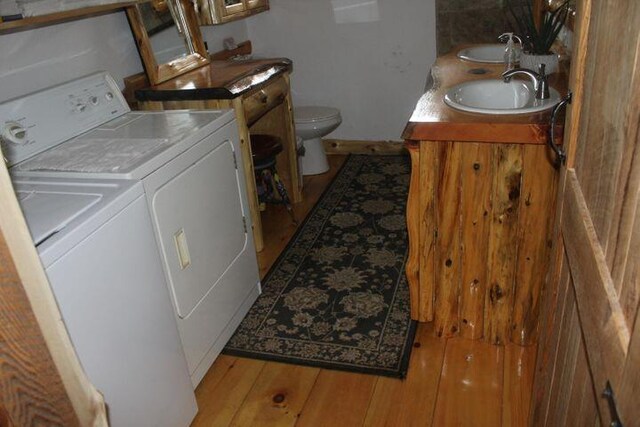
<point x="343" y="146"/>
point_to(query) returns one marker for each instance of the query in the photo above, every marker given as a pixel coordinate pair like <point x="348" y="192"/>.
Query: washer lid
<point x="314" y="114"/>
<point x="49" y="212"/>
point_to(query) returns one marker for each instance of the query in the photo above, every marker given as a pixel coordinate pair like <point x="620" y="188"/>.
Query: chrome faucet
<point x="539" y="79"/>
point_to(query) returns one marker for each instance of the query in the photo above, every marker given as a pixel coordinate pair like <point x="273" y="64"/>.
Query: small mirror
<point x="168" y="38"/>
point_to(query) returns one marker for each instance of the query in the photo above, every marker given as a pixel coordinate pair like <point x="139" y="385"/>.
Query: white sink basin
<point x="497" y="97"/>
<point x="490" y="53"/>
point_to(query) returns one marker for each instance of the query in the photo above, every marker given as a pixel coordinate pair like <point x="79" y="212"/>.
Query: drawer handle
<point x="263" y="97"/>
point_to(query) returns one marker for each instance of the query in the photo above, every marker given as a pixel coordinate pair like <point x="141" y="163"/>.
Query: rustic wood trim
<point x="412" y="268"/>
<point x="477" y="170"/>
<point x="428" y="172"/>
<point x="60" y="17"/>
<point x="603" y="323"/>
<point x="345" y="146"/>
<point x="213" y="12"/>
<point x="508" y="133"/>
<point x="243" y="14"/>
<point x="537" y="208"/>
<point x="249" y="174"/>
<point x="41" y="379"/>
<point x="503" y="241"/>
<point x="448" y="259"/>
<point x="158" y="73"/>
<point x="291" y="144"/>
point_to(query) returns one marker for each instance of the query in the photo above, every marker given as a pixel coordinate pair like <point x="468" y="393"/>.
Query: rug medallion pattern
<point x="337" y="297"/>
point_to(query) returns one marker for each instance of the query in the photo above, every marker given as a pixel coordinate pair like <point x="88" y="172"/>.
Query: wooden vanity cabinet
<point x="212" y="12"/>
<point x="480" y="219"/>
<point x="480" y="214"/>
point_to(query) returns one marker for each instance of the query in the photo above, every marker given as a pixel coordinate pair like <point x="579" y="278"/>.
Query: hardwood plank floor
<point x="450" y="381"/>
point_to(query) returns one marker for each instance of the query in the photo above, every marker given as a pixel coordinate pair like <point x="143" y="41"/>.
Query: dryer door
<point x="199" y="220"/>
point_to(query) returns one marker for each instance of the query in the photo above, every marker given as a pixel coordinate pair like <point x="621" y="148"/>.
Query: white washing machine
<point x="96" y="242"/>
<point x="188" y="164"/>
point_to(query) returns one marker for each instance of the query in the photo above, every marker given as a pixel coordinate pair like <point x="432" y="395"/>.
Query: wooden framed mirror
<point x="168" y="38"/>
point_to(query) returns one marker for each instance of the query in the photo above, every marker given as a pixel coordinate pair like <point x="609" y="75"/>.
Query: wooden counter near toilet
<point x="259" y="92"/>
<point x="480" y="213"/>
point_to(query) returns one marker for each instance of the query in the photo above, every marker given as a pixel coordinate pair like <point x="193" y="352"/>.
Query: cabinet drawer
<point x="259" y="103"/>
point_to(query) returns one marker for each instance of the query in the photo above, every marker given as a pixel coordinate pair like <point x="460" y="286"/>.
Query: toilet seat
<point x="314" y="114"/>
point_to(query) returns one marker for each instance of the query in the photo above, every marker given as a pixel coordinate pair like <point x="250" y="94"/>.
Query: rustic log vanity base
<point x="259" y="93"/>
<point x="480" y="214"/>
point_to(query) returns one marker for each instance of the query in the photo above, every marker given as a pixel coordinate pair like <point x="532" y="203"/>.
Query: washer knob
<point x="14" y="132"/>
<point x="108" y="96"/>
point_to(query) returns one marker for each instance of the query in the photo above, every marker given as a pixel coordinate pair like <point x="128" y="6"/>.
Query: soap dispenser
<point x="510" y="53"/>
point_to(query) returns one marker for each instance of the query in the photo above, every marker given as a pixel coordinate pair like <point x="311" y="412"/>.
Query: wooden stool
<point x="264" y="149"/>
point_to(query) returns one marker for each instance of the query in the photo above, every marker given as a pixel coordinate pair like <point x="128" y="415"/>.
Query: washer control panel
<point x="43" y="119"/>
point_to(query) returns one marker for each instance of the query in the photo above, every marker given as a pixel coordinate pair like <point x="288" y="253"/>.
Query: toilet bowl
<point x="312" y="123"/>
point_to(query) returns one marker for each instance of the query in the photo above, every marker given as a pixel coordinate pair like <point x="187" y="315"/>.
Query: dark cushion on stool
<point x="264" y="147"/>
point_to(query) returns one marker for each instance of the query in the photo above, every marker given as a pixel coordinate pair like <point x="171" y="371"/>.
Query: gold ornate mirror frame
<point x="187" y="24"/>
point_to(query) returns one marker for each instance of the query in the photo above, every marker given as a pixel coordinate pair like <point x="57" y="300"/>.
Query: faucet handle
<point x="541" y="70"/>
<point x="542" y="91"/>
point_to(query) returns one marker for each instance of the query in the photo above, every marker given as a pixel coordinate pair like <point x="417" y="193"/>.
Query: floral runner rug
<point x="337" y="297"/>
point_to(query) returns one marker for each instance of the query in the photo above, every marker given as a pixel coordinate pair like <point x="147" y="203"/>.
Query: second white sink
<point x="497" y="97"/>
<point x="489" y="53"/>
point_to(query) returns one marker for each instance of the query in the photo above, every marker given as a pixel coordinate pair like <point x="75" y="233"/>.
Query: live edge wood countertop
<point x="433" y="120"/>
<point x="480" y="212"/>
<point x="227" y="79"/>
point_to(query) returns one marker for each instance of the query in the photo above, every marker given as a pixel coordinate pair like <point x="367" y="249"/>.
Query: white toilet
<point x="312" y="123"/>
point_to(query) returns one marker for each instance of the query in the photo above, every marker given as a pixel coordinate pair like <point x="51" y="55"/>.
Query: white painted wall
<point x="35" y="59"/>
<point x="215" y="34"/>
<point x="39" y="58"/>
<point x="374" y="71"/>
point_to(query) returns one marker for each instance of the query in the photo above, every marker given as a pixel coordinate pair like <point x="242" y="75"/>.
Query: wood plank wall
<point x="485" y="243"/>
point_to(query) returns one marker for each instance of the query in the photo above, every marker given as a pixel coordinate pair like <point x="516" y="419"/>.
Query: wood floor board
<point x="218" y="404"/>
<point x="215" y="374"/>
<point x="470" y="389"/>
<point x="519" y="367"/>
<point x="338" y="399"/>
<point x="410" y="402"/>
<point x="277" y="396"/>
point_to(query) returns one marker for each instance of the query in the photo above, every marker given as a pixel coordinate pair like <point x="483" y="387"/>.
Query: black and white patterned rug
<point x="337" y="297"/>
